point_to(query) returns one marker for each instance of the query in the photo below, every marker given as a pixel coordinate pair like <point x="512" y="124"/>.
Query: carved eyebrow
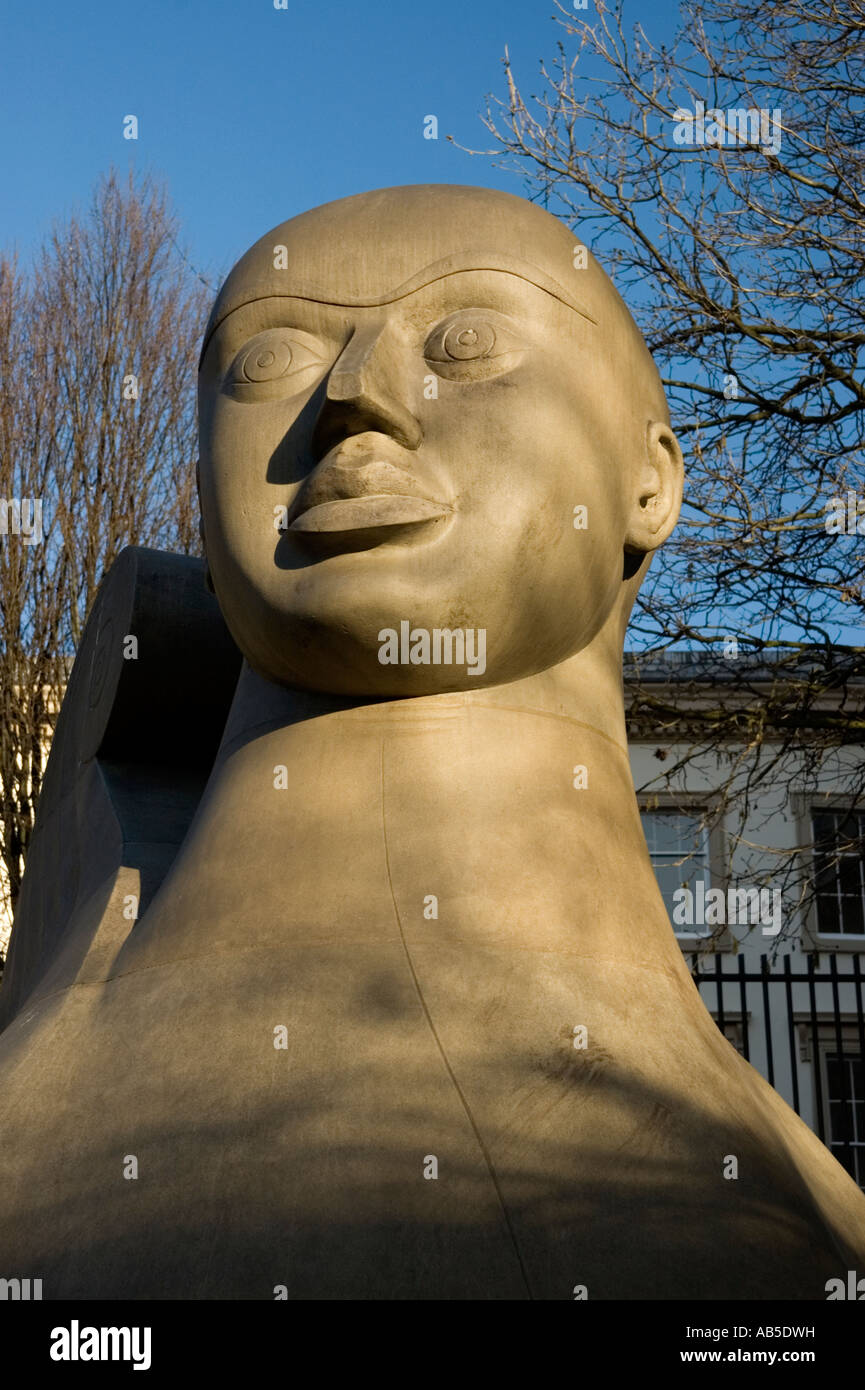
<point x="457" y="264"/>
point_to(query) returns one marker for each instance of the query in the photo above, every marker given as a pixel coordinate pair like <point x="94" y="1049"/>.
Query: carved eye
<point x="270" y="356"/>
<point x="265" y="363"/>
<point x="466" y="344"/>
<point x="471" y="336"/>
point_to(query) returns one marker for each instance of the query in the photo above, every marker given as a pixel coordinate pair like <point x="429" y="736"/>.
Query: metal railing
<point x="826" y="1030"/>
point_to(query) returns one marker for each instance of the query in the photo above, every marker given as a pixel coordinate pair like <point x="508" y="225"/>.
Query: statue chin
<point x="342" y="970"/>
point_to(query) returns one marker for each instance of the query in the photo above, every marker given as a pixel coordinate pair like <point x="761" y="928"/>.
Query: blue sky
<point x="253" y="114"/>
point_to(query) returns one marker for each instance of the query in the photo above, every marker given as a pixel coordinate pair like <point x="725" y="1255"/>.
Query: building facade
<point x="758" y="850"/>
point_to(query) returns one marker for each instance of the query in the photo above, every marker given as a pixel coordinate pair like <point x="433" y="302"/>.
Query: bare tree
<point x="98" y="345"/>
<point x="722" y="183"/>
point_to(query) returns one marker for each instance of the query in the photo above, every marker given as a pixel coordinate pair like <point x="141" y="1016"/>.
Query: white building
<point x="774" y="907"/>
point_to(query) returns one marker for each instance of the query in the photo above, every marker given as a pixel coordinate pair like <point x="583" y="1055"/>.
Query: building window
<point x="732" y="1030"/>
<point x="839" y="872"/>
<point x="679" y="850"/>
<point x="845" y="1095"/>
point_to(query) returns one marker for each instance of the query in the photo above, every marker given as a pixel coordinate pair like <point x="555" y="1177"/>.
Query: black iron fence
<point x="829" y="1037"/>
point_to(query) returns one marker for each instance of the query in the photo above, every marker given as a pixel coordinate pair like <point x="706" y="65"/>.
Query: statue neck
<point x="351" y="819"/>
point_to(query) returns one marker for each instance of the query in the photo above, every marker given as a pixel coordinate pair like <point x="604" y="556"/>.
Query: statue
<point x="379" y="998"/>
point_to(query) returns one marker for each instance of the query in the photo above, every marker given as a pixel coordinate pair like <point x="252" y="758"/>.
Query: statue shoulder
<point x="136" y="736"/>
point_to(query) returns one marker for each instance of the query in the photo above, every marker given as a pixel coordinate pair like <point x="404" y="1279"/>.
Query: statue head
<point x="427" y="410"/>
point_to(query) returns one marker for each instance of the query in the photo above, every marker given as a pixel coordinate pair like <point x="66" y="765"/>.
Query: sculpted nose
<point x="365" y="391"/>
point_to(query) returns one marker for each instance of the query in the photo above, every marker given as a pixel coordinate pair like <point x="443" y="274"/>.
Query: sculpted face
<point x="404" y="396"/>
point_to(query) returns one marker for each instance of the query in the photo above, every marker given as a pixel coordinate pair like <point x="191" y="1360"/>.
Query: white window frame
<point x="850" y="1047"/>
<point x="834" y="938"/>
<point x="687" y="935"/>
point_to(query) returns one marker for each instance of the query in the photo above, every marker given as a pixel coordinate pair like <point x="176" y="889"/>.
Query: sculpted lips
<point x="370" y="493"/>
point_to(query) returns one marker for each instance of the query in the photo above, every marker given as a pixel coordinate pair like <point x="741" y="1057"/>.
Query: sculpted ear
<point x="657" y="494"/>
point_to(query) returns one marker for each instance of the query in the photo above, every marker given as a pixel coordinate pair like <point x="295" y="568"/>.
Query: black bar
<point x="767" y="1014"/>
<point x="719" y="986"/>
<point x="743" y="1004"/>
<point x="860" y="1022"/>
<point x="211" y="1342"/>
<point x="847" y="1116"/>
<point x="791" y="1029"/>
<point x="815" y="1052"/>
<point x="860" y="1008"/>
